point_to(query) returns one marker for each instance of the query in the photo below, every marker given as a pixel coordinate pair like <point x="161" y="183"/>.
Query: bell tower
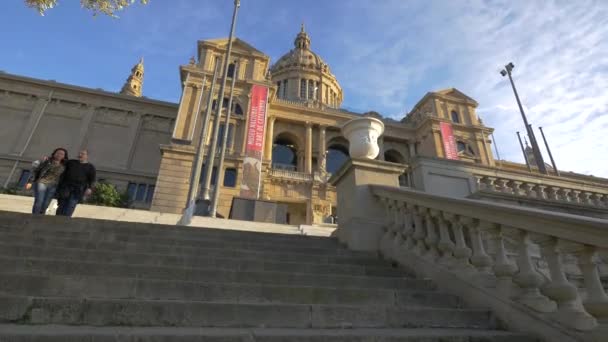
<point x="135" y="81"/>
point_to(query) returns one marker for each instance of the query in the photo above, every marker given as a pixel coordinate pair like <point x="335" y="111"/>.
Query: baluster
<point x="585" y="198"/>
<point x="419" y="233"/>
<point x="445" y="245"/>
<point x="529" y="190"/>
<point x="575" y="196"/>
<point x="387" y="238"/>
<point x="480" y="259"/>
<point x="491" y="184"/>
<point x="541" y="192"/>
<point x="503" y="268"/>
<point x="596" y="301"/>
<point x="604" y="201"/>
<point x="502" y="186"/>
<point x="570" y="310"/>
<point x="516" y="188"/>
<point x="479" y="182"/>
<point x="462" y="253"/>
<point x="564" y="194"/>
<point x="431" y="235"/>
<point x="408" y="227"/>
<point x="553" y="193"/>
<point x="398" y="230"/>
<point x="529" y="279"/>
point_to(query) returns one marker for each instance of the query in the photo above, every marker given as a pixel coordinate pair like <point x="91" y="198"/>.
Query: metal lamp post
<point x="537" y="155"/>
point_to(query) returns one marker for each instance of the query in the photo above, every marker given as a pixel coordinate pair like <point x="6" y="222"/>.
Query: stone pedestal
<point x="173" y="179"/>
<point x="360" y="214"/>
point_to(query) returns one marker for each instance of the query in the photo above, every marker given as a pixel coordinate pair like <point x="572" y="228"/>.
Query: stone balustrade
<point x="291" y="175"/>
<point x="468" y="237"/>
<point x="546" y="191"/>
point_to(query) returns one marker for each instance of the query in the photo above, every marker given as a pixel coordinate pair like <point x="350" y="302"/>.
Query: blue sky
<point x="385" y="53"/>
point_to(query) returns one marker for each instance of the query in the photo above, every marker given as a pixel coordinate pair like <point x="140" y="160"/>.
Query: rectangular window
<point x="285" y="89"/>
<point x="311" y="89"/>
<point x="303" y="89"/>
<point x="141" y="192"/>
<point x="213" y="174"/>
<point x="150" y="193"/>
<point x="220" y="136"/>
<point x="25" y="175"/>
<point x="131" y="190"/>
<point x="279" y="94"/>
<point x="230" y="177"/>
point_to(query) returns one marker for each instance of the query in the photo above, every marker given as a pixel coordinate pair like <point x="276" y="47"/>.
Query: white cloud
<point x="560" y="52"/>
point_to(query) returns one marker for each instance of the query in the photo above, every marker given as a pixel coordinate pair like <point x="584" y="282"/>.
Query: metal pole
<point x="220" y="102"/>
<point x="537" y="155"/>
<point x="220" y="174"/>
<point x="27" y="142"/>
<point x="495" y="146"/>
<point x="524" y="152"/>
<point x="198" y="157"/>
<point x="549" y="150"/>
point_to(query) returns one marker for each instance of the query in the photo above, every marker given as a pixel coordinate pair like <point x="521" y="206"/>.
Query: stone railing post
<point x="462" y="253"/>
<point x="445" y="245"/>
<point x="570" y="310"/>
<point x="528" y="278"/>
<point x="419" y="234"/>
<point x="480" y="259"/>
<point x="541" y="191"/>
<point x="432" y="239"/>
<point x="408" y="227"/>
<point x="596" y="301"/>
<point x="503" y="268"/>
<point x="529" y="190"/>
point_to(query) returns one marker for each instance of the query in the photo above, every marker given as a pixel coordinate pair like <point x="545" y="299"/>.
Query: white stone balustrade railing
<point x="546" y="191"/>
<point x="456" y="234"/>
<point x="289" y="174"/>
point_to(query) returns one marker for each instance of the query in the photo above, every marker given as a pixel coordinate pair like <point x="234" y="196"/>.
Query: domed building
<point x="444" y="146"/>
<point x="302" y="75"/>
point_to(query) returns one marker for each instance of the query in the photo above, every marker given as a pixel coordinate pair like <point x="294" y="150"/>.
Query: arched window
<point x="284" y="154"/>
<point x="455" y="117"/>
<point x="337" y="155"/>
<point x="311" y="89"/>
<point x="237" y="109"/>
<point x="461" y="146"/>
<point x="393" y="156"/>
<point x="231" y="70"/>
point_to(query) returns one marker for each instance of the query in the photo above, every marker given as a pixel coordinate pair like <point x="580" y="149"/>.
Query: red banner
<point x="252" y="164"/>
<point x="449" y="142"/>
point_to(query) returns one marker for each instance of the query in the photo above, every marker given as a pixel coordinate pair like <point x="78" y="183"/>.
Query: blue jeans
<point x="43" y="194"/>
<point x="66" y="206"/>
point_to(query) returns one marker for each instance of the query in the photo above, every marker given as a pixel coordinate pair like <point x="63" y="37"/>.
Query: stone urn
<point x="362" y="135"/>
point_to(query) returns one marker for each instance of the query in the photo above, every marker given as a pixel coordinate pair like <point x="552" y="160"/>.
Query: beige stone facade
<point x="147" y="147"/>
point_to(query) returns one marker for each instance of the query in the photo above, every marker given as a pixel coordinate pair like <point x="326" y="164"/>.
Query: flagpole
<point x="220" y="102"/>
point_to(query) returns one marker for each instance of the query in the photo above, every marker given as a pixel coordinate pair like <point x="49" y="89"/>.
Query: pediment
<point x="455" y="93"/>
<point x="237" y="45"/>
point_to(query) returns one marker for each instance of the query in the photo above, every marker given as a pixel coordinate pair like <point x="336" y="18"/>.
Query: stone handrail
<point x="288" y="174"/>
<point x="455" y="234"/>
<point x="543" y="189"/>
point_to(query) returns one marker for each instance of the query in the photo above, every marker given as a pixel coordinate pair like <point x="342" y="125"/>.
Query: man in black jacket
<point x="76" y="182"/>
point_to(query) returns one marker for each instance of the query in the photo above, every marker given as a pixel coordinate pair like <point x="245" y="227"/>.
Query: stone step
<point x="134" y="288"/>
<point x="108" y="312"/>
<point x="78" y="267"/>
<point x="58" y="333"/>
<point x="10" y="220"/>
<point x="201" y="255"/>
<point x="302" y="266"/>
<point x="167" y="246"/>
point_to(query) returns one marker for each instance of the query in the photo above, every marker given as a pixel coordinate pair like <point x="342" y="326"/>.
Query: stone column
<point x="321" y="161"/>
<point x="269" y="138"/>
<point x="308" y="151"/>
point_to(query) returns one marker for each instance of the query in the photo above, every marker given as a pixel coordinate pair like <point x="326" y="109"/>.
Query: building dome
<point x="303" y="75"/>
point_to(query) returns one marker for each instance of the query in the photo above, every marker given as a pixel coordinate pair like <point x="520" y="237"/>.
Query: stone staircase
<point x="93" y="280"/>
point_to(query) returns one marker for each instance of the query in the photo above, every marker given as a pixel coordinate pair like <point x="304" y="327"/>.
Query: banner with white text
<point x="252" y="164"/>
<point x="449" y="142"/>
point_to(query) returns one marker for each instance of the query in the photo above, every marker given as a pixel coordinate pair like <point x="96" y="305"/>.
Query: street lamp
<point x="537" y="155"/>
